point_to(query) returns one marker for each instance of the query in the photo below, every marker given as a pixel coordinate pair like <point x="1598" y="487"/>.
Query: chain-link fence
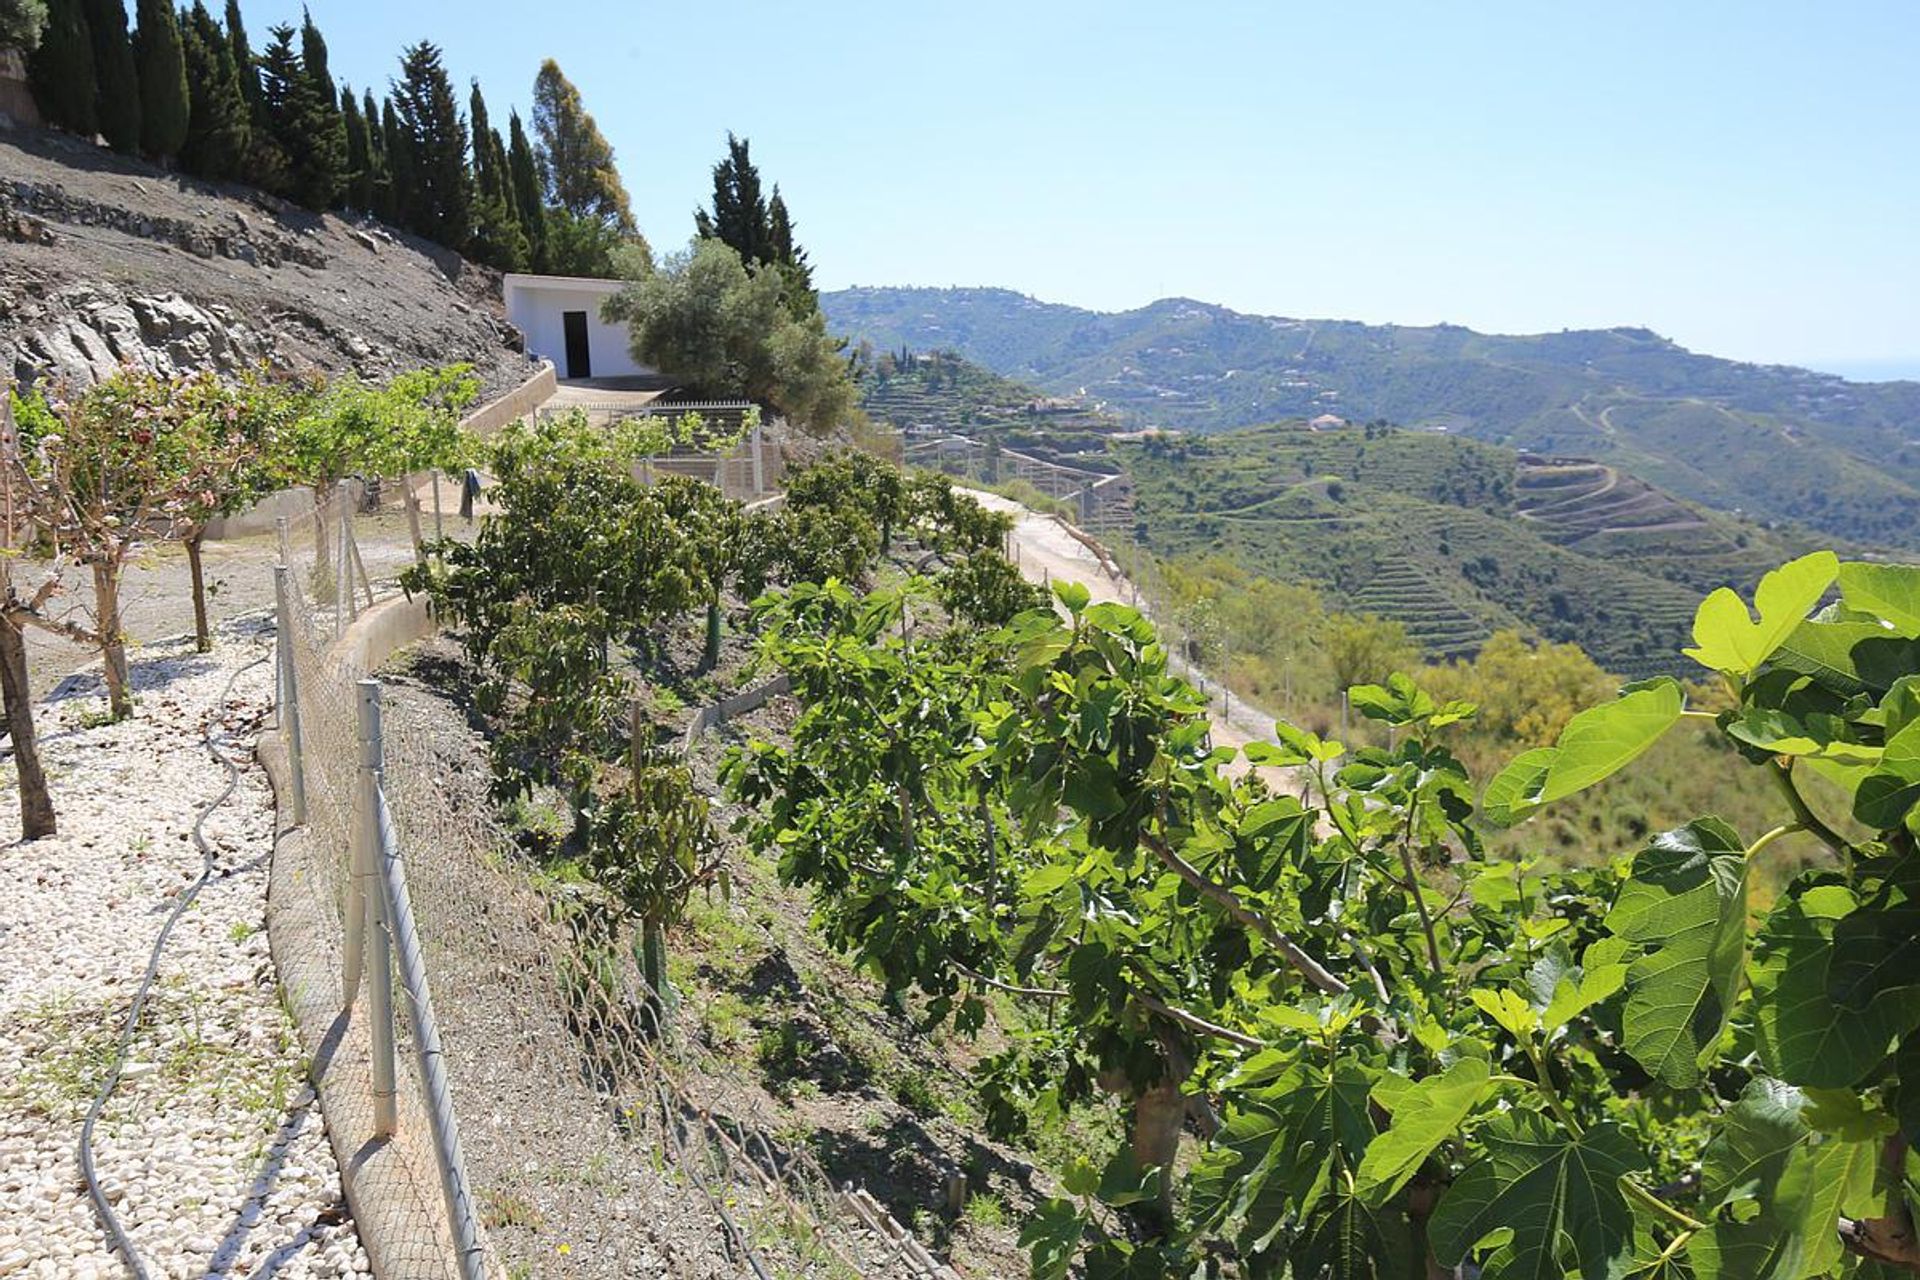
<point x="601" y="1137"/>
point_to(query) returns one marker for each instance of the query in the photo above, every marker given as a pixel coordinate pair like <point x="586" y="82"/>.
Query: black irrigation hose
<point x="108" y="1219"/>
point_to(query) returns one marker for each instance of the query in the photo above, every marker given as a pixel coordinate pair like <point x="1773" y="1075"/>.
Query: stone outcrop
<point x="107" y="262"/>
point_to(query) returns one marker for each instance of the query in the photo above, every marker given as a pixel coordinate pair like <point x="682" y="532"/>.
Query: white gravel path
<point x="213" y="1148"/>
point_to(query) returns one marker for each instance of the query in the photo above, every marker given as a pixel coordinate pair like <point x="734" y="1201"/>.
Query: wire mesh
<point x="602" y="1137"/>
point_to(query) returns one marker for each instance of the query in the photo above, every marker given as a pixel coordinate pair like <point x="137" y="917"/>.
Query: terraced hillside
<point x="1770" y="441"/>
<point x="1442" y="628"/>
<point x="1605" y="512"/>
<point x="1451" y="536"/>
<point x="940" y="392"/>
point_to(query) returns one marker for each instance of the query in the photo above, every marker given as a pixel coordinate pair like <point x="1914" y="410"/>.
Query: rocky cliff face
<point x="105" y="262"/>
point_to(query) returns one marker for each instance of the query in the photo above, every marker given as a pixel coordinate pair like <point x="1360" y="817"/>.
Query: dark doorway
<point x="579" y="362"/>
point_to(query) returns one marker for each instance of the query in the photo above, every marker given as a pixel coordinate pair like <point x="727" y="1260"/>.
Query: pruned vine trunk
<point x="113" y="644"/>
<point x="322" y="577"/>
<point x="202" y="633"/>
<point x="37" y="819"/>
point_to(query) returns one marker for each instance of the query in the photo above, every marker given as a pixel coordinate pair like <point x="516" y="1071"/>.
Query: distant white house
<point x="559" y="316"/>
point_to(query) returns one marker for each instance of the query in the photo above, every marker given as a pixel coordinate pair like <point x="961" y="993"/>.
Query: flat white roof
<point x="583" y="284"/>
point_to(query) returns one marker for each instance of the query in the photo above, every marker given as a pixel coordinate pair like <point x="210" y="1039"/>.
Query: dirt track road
<point x="1045" y="549"/>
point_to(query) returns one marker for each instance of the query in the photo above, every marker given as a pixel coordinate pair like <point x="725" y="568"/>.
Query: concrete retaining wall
<point x="517" y="403"/>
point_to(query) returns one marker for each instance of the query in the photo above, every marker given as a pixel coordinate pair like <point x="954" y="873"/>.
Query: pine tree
<point x="576" y="159"/>
<point x="523" y="178"/>
<point x="429" y="114"/>
<point x="400" y="188"/>
<point x="61" y="70"/>
<point x="162" y="67"/>
<point x="218" y="128"/>
<point x="359" y="192"/>
<point x="243" y="61"/>
<point x="116" y="101"/>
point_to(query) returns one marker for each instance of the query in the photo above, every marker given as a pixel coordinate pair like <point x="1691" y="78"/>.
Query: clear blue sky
<point x="1741" y="177"/>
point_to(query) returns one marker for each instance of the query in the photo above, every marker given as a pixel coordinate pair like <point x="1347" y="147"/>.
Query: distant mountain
<point x="1768" y="440"/>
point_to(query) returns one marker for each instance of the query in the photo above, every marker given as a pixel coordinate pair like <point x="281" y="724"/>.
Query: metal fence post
<point x="342" y="590"/>
<point x="438" y="532"/>
<point x="369" y="872"/>
<point x="286" y="541"/>
<point x="759" y="466"/>
<point x="462" y="1214"/>
<point x="289" y="690"/>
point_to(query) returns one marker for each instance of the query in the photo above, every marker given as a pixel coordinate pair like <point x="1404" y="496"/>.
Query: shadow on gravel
<point x="251" y="1209"/>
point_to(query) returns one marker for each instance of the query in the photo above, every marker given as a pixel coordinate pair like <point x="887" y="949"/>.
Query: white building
<point x="559" y="316"/>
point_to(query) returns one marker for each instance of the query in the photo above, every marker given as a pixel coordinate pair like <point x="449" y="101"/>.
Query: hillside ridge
<point x="1770" y="441"/>
<point x="107" y="261"/>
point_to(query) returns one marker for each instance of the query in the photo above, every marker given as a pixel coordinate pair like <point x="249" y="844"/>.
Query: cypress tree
<point x="322" y="177"/>
<point x="738" y="218"/>
<point x="165" y="109"/>
<point x="796" y="272"/>
<point x="243" y="62"/>
<point x="523" y="178"/>
<point x="218" y="128"/>
<point x="61" y="70"/>
<point x="116" y="101"/>
<point x="498" y="239"/>
<point x="380" y="191"/>
<point x="760" y="230"/>
<point x="429" y="114"/>
<point x="479" y="124"/>
<point x="360" y="165"/>
<point x="304" y="122"/>
<point x="400" y="188"/>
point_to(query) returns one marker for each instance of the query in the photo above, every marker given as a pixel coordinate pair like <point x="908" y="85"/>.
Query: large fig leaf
<point x="1726" y="638"/>
<point x="1830" y="994"/>
<point x="1774" y="1198"/>
<point x="1556" y="1196"/>
<point x="1425" y="1114"/>
<point x="1686" y="903"/>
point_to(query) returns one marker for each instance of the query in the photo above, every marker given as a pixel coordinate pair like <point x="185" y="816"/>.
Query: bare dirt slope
<point x="106" y="260"/>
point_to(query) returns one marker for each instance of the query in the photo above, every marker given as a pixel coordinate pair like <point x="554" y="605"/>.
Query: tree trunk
<point x="413" y="518"/>
<point x="1159" y="1114"/>
<point x="321" y="579"/>
<point x="36" y="804"/>
<point x="113" y="645"/>
<point x="202" y="634"/>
